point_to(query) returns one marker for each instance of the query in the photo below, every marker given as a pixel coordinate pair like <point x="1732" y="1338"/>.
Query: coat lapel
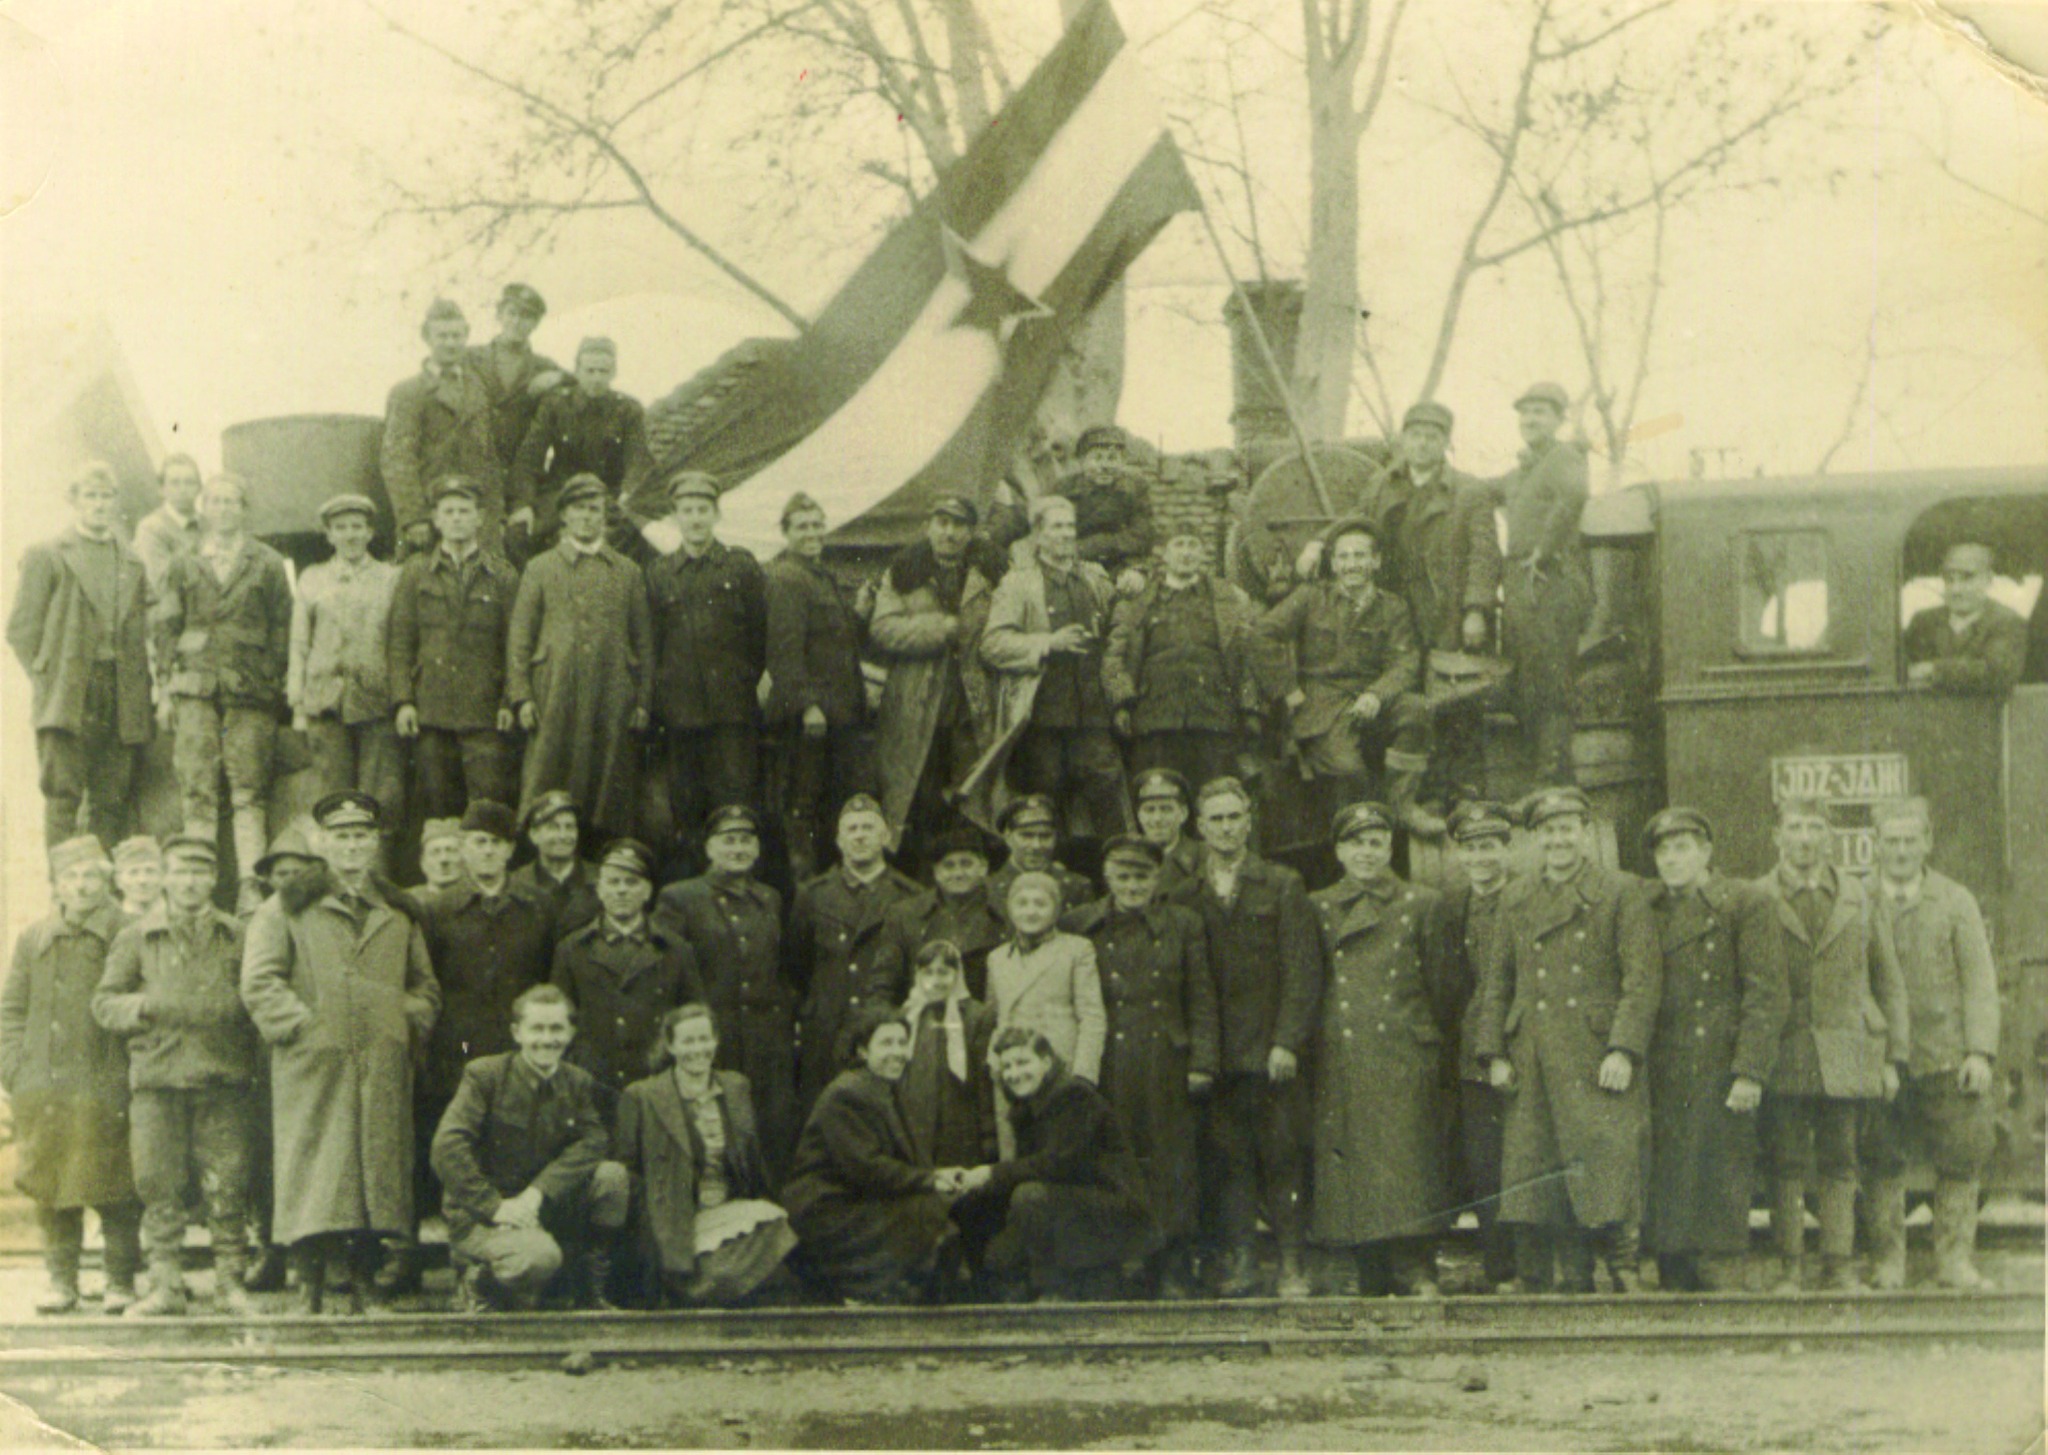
<point x="103" y="594"/>
<point x="669" y="1111"/>
<point x="1362" y="913"/>
<point x="1846" y="912"/>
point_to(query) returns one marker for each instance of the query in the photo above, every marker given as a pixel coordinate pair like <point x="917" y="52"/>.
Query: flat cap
<point x="861" y="803"/>
<point x="1545" y="392"/>
<point x="1097" y="436"/>
<point x="692" y="484"/>
<point x="444" y="310"/>
<point x="1550" y="803"/>
<point x="1676" y="820"/>
<point x="436" y="829"/>
<point x="630" y="855"/>
<point x="488" y="816"/>
<point x="1480" y="818"/>
<point x="348" y="809"/>
<point x="1131" y="846"/>
<point x="524" y="296"/>
<point x="956" y="507"/>
<point x="461" y="485"/>
<point x="188" y="846"/>
<point x="552" y="804"/>
<point x="963" y="840"/>
<point x="733" y="818"/>
<point x="1428" y="411"/>
<point x="579" y="488"/>
<point x="1163" y="783"/>
<point x="1360" y="818"/>
<point x="598" y="344"/>
<point x="349" y="503"/>
<point x="141" y="849"/>
<point x="291" y="843"/>
<point x="84" y="849"/>
<point x="1026" y="812"/>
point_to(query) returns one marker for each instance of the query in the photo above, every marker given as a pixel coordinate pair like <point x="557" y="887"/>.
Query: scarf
<point x="952" y="1026"/>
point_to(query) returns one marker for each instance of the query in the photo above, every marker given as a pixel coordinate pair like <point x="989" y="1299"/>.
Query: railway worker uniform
<point x="172" y="992"/>
<point x="1945" y="1112"/>
<point x="841" y="957"/>
<point x="1323" y="648"/>
<point x="1021" y="816"/>
<point x="1573" y="981"/>
<point x="80" y="629"/>
<point x="1719" y="1024"/>
<point x="338" y="681"/>
<point x="1381" y="1186"/>
<point x="1845" y="1030"/>
<point x="336" y="977"/>
<point x="515" y="1130"/>
<point x="621" y="977"/>
<point x="67" y="1081"/>
<point x="1471" y="923"/>
<point x="1163" y="1048"/>
<point x="440" y="423"/>
<point x="568" y="890"/>
<point x="451" y="618"/>
<point x="515" y="376"/>
<point x="1165" y="802"/>
<point x="1547" y="585"/>
<point x="585" y="428"/>
<point x="710" y="614"/>
<point x="733" y="923"/>
<point x="223" y="633"/>
<point x="1178" y="669"/>
<point x="974" y="920"/>
<point x="578" y="671"/>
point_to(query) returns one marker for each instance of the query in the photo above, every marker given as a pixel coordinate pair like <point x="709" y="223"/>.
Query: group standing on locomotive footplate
<point x="628" y="1073"/>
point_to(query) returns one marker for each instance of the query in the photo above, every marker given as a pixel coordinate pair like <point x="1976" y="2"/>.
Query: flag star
<point x="994" y="305"/>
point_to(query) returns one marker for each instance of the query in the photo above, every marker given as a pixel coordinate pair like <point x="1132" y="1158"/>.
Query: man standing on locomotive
<point x="1969" y="644"/>
<point x="438" y="423"/>
<point x="1944" y="1111"/>
<point x="514" y="376"/>
<point x="1547" y="587"/>
<point x="1570" y="1004"/>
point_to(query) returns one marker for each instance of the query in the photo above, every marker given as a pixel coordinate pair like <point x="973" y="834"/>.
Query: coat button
<point x="1539" y="1005"/>
<point x="1701" y="1033"/>
<point x="1571" y="1001"/>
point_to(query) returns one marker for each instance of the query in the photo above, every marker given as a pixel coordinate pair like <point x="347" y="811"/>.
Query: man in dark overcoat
<point x="1946" y="1113"/>
<point x="1163" y="1050"/>
<point x="623" y="970"/>
<point x="578" y="663"/>
<point x="733" y="923"/>
<point x="1719" y="1022"/>
<point x="438" y="423"/>
<point x="1267" y="957"/>
<point x="1547" y="586"/>
<point x="589" y="428"/>
<point x="1571" y="998"/>
<point x="451" y="617"/>
<point x="66" y="1080"/>
<point x="1178" y="666"/>
<point x="709" y="605"/>
<point x="515" y="376"/>
<point x="1845" y="1045"/>
<point x="837" y="951"/>
<point x="961" y="907"/>
<point x="80" y="629"/>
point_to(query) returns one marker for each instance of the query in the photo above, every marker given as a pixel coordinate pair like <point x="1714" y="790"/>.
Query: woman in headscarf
<point x="948" y="1091"/>
<point x="1046" y="980"/>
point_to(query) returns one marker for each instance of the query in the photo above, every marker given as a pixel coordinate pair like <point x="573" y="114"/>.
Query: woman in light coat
<point x="1046" y="980"/>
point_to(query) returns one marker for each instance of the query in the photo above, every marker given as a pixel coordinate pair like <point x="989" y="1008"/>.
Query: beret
<point x="1131" y="846"/>
<point x="349" y="503"/>
<point x="1359" y="818"/>
<point x="732" y="818"/>
<point x="186" y="846"/>
<point x="488" y="816"/>
<point x="141" y="849"/>
<point x="553" y="803"/>
<point x="1163" y="783"/>
<point x="628" y="854"/>
<point x="1479" y="818"/>
<point x="1545" y="392"/>
<point x="1676" y="821"/>
<point x="585" y="486"/>
<point x="1552" y="802"/>
<point x="351" y="808"/>
<point x="84" y="849"/>
<point x="1031" y="809"/>
<point x="1428" y="412"/>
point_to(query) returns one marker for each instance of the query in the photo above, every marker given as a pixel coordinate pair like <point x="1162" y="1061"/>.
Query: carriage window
<point x="1784" y="591"/>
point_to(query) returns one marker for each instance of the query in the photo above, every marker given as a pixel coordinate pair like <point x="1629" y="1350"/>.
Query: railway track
<point x="775" y="1337"/>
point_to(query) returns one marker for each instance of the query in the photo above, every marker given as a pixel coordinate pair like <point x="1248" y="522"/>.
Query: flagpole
<point x="1272" y="361"/>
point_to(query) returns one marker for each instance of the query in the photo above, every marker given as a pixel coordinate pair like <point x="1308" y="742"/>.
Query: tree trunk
<point x="1326" y="348"/>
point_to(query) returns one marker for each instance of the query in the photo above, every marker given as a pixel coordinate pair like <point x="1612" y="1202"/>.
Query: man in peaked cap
<point x="514" y="375"/>
<point x="1166" y="803"/>
<point x="564" y="880"/>
<point x="588" y="429"/>
<point x="1030" y="830"/>
<point x="440" y="422"/>
<point x="1113" y="517"/>
<point x="1547" y="586"/>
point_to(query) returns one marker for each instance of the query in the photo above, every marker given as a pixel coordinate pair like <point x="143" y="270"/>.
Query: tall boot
<point x="1955" y="1234"/>
<point x="310" y="1257"/>
<point x="1404" y="781"/>
<point x="1788" y="1231"/>
<point x="1622" y="1243"/>
<point x="399" y="1273"/>
<point x="166" y="1296"/>
<point x="1535" y="1258"/>
<point x="1838" y="1236"/>
<point x="63" y="1232"/>
<point x="1884" y="1227"/>
<point x="595" y="1292"/>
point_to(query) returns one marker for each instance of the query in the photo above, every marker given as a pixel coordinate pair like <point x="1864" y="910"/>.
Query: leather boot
<point x="166" y="1296"/>
<point x="1884" y="1222"/>
<point x="1838" y="1237"/>
<point x="1623" y="1245"/>
<point x="1788" y="1232"/>
<point x="1535" y="1260"/>
<point x="1955" y="1234"/>
<point x="1575" y="1260"/>
<point x="400" y="1271"/>
<point x="595" y="1291"/>
<point x="266" y="1271"/>
<point x="1173" y="1276"/>
<point x="1403" y="783"/>
<point x="311" y="1260"/>
<point x="230" y="1292"/>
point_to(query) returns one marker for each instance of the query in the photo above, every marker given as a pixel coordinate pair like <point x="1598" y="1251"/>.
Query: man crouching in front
<point x="520" y="1154"/>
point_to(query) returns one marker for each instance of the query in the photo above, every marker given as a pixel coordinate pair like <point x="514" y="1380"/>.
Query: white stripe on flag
<point x="918" y="398"/>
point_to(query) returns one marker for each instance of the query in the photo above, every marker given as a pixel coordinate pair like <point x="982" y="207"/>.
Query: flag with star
<point x="922" y="375"/>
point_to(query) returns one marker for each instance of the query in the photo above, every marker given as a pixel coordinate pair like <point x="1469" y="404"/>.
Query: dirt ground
<point x="1951" y="1399"/>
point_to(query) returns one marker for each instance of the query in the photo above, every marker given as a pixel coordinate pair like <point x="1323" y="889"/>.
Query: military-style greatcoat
<point x="1575" y="974"/>
<point x="710" y="615"/>
<point x="1160" y="997"/>
<point x="486" y="953"/>
<point x="66" y="1078"/>
<point x="1720" y="1017"/>
<point x="813" y="645"/>
<point x="837" y="952"/>
<point x="1847" y="1014"/>
<point x="1379" y="1112"/>
<point x="571" y="901"/>
<point x="622" y="984"/>
<point x="734" y="924"/>
<point x="1471" y="922"/>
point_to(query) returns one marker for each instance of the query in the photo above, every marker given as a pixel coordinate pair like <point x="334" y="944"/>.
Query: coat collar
<point x="103" y="923"/>
<point x="1559" y="904"/>
<point x="1360" y="906"/>
<point x="1681" y="919"/>
<point x="1846" y="909"/>
<point x="158" y="920"/>
<point x="1041" y="962"/>
<point x="675" y="1117"/>
<point x="73" y="549"/>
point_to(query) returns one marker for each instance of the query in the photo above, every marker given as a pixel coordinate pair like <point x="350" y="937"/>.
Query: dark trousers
<point x="174" y="1133"/>
<point x="1198" y="757"/>
<point x="953" y="752"/>
<point x="1809" y="1136"/>
<point x="363" y="755"/>
<point x="1541" y="619"/>
<point x="818" y="775"/>
<point x="522" y="1261"/>
<point x="1480" y="1119"/>
<point x="1254" y="1152"/>
<point x="1077" y="768"/>
<point x="455" y="767"/>
<point x="63" y="1230"/>
<point x="1931" y="1121"/>
<point x="709" y="768"/>
<point x="91" y="767"/>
